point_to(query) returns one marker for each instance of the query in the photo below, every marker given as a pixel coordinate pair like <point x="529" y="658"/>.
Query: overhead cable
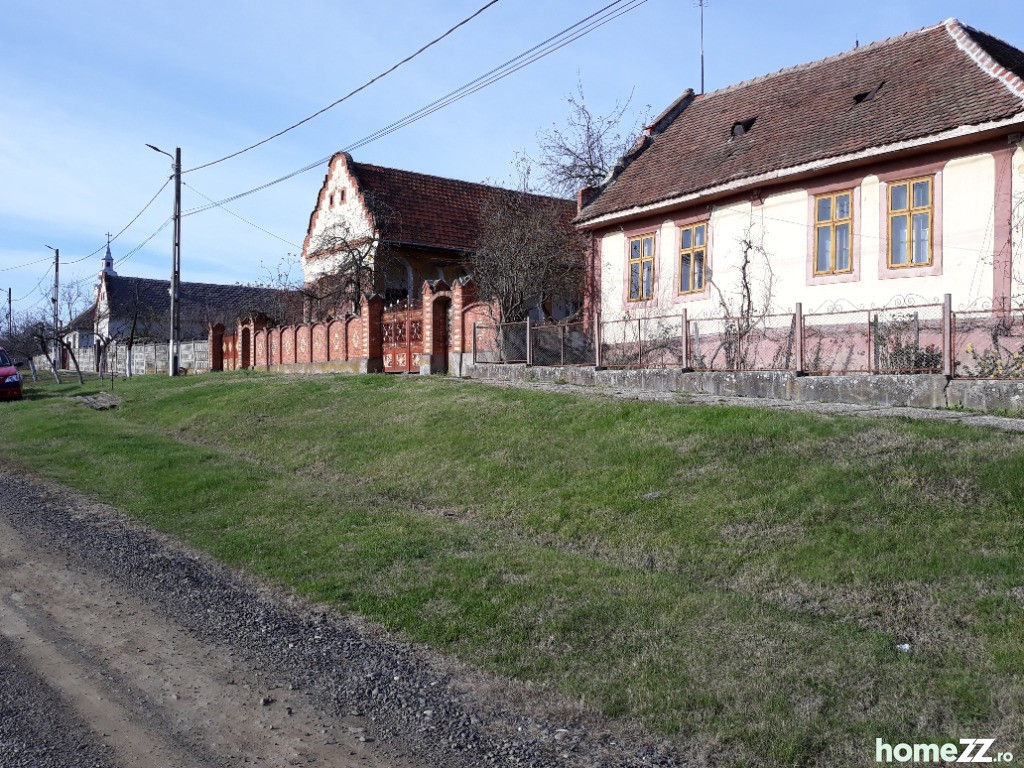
<point x="348" y="95"/>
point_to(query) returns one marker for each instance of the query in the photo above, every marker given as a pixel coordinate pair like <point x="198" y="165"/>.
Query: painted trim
<point x="983" y="60"/>
<point x="885" y="272"/>
<point x="1002" y="240"/>
<point x="853" y="276"/>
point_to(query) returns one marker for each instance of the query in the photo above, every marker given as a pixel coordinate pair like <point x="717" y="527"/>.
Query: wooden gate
<point x="402" y="335"/>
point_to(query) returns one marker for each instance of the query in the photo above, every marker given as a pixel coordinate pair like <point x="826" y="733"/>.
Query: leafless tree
<point x="356" y="260"/>
<point x="581" y="152"/>
<point x="529" y="254"/>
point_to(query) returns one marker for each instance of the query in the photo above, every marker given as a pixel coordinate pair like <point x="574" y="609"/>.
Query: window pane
<point x="922" y="194"/>
<point x="842" y="206"/>
<point x="687" y="238"/>
<point x="898" y="198"/>
<point x="685" y="265"/>
<point x="921" y="238"/>
<point x="648" y="247"/>
<point x="842" y="247"/>
<point x="823" y="263"/>
<point x="698" y="235"/>
<point x="898" y="239"/>
<point x="634" y="249"/>
<point x="824" y="209"/>
<point x="648" y="278"/>
<point x="634" y="280"/>
<point x="698" y="270"/>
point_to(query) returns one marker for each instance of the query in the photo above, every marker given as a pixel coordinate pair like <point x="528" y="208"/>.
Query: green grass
<point x="733" y="579"/>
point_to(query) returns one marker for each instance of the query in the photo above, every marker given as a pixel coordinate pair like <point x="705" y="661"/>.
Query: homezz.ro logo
<point x="969" y="751"/>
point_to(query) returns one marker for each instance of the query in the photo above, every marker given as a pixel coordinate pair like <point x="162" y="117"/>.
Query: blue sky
<point x="87" y="85"/>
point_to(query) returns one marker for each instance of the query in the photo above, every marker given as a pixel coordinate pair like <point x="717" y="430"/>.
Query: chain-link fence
<point x="895" y="340"/>
<point x="562" y="344"/>
<point x="504" y="343"/>
<point x="988" y="344"/>
<point x="649" y="342"/>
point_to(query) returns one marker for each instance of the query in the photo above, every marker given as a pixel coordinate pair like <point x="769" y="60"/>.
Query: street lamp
<point x="173" y="353"/>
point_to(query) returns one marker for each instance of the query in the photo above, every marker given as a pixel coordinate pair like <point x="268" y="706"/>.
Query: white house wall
<point x="781" y="224"/>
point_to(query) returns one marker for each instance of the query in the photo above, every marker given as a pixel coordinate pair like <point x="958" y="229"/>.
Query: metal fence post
<point x="798" y="322"/>
<point x="947" y="335"/>
<point x="473" y="344"/>
<point x="529" y="341"/>
<point x="686" y="338"/>
<point x="562" y="344"/>
<point x="597" y="339"/>
<point x="639" y="344"/>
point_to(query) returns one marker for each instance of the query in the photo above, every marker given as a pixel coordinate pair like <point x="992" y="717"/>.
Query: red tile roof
<point x="925" y="82"/>
<point x="431" y="211"/>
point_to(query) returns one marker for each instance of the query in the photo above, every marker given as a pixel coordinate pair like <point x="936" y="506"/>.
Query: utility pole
<point x="174" y="345"/>
<point x="10" y="315"/>
<point x="56" y="311"/>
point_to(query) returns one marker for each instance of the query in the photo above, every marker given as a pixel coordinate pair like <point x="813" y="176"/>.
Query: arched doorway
<point x="245" y="348"/>
<point x="441" y="331"/>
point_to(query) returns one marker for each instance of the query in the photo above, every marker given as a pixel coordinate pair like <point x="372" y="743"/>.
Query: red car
<point x="10" y="379"/>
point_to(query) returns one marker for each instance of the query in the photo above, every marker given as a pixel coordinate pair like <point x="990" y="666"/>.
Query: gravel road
<point x="121" y="648"/>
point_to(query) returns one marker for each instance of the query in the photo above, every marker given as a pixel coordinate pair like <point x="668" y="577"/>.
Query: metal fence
<point x="989" y="343"/>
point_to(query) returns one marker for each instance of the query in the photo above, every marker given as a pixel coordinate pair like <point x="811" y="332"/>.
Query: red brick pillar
<point x="216" y="339"/>
<point x="371" y="317"/>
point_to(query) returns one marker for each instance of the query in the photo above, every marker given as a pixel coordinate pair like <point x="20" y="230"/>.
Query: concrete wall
<point x="919" y="391"/>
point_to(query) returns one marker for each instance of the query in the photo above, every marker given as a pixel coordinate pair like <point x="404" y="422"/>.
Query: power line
<point x="242" y="218"/>
<point x="350" y="94"/>
<point x="568" y="35"/>
<point x="45" y="275"/>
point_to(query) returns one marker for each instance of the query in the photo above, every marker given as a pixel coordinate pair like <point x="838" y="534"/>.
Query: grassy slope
<point x="729" y="577"/>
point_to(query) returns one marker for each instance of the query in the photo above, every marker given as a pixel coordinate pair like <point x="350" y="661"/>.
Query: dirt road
<point x="136" y="688"/>
<point x="120" y="648"/>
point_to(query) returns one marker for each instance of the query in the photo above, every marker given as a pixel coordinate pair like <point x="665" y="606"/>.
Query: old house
<point x="891" y="174"/>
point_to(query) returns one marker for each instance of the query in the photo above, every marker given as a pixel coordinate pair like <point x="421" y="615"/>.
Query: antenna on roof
<point x="856" y="43"/>
<point x="701" y="4"/>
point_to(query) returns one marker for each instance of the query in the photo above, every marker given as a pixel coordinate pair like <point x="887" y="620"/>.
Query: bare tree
<point x="73" y="302"/>
<point x="355" y="260"/>
<point x="582" y="152"/>
<point x="529" y="254"/>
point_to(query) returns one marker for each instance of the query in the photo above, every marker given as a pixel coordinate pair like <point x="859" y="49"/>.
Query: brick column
<point x="371" y="317"/>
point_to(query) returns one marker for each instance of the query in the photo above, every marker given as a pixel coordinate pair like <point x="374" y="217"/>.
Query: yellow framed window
<point x="833" y="233"/>
<point x="641" y="267"/>
<point x="692" y="258"/>
<point x="910" y="223"/>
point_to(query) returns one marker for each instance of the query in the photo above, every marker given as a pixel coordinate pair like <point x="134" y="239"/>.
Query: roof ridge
<point x="479" y="184"/>
<point x="961" y="34"/>
<point x="827" y="60"/>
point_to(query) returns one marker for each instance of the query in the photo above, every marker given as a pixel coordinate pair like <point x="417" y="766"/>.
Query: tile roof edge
<point x="961" y="34"/>
<point x="612" y="217"/>
<point x="480" y="184"/>
<point x="826" y="60"/>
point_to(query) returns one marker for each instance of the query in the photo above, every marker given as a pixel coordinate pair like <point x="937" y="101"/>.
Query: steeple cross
<point x="108" y="238"/>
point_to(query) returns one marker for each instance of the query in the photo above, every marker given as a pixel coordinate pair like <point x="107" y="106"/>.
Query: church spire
<point x="108" y="260"/>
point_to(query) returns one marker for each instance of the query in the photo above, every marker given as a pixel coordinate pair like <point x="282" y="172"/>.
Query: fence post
<point x="529" y="341"/>
<point x="473" y="344"/>
<point x="947" y="335"/>
<point x="639" y="344"/>
<point x="686" y="338"/>
<point x="597" y="339"/>
<point x="561" y="340"/>
<point x="798" y="322"/>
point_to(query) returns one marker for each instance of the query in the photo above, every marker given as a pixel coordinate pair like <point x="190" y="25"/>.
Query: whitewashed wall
<point x="964" y="191"/>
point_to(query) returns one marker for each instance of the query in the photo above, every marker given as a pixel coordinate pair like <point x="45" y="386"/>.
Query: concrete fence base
<point x="918" y="390"/>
